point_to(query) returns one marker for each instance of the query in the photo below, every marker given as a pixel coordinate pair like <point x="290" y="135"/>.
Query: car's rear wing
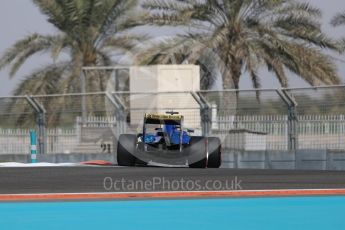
<point x="163" y="119"/>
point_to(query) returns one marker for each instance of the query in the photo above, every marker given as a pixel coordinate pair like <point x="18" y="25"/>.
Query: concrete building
<point x="172" y="82"/>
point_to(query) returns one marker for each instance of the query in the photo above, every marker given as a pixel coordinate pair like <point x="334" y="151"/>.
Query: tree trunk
<point x="231" y="79"/>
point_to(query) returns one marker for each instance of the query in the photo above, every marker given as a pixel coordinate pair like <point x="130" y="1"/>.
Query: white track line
<point x="172" y="192"/>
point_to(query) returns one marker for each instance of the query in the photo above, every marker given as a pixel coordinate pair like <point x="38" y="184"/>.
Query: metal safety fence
<point x="251" y="120"/>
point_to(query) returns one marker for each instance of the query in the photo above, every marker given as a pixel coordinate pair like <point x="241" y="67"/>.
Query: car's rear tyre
<point x="140" y="162"/>
<point x="199" y="164"/>
<point x="197" y="149"/>
<point x="125" y="150"/>
<point x="214" y="150"/>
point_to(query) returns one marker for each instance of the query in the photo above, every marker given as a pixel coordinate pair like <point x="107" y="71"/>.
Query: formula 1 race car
<point x="164" y="142"/>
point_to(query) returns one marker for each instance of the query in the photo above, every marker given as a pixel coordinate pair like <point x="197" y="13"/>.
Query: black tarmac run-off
<point x="148" y="179"/>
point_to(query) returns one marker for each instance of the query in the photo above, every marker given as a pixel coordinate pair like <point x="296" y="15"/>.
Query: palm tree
<point x="339" y="20"/>
<point x="89" y="31"/>
<point x="282" y="35"/>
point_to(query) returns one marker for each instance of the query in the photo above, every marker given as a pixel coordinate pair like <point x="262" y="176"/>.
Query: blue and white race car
<point x="164" y="142"/>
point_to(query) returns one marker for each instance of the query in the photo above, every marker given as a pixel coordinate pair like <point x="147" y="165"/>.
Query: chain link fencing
<point x="249" y="120"/>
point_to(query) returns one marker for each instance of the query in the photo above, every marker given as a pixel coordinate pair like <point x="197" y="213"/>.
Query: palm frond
<point x="53" y="11"/>
<point x="338" y="20"/>
<point x="109" y="25"/>
<point x="25" y="48"/>
<point x="124" y="42"/>
<point x="42" y="81"/>
<point x="313" y="66"/>
<point x="166" y="5"/>
<point x="247" y="34"/>
<point x="299" y="9"/>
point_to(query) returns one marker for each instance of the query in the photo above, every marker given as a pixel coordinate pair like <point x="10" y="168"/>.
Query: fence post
<point x="40" y="120"/>
<point x="205" y="112"/>
<point x="42" y="133"/>
<point x="292" y="118"/>
<point x="120" y="112"/>
<point x="292" y="123"/>
<point x="120" y="115"/>
<point x="206" y="120"/>
<point x="83" y="97"/>
<point x="33" y="148"/>
<point x="293" y="128"/>
<point x="214" y="117"/>
<point x="78" y="129"/>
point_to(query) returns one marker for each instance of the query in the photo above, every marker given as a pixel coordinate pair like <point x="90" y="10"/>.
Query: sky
<point x="19" y="18"/>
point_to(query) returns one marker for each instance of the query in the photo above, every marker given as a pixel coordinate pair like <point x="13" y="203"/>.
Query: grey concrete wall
<point x="57" y="158"/>
<point x="280" y="160"/>
<point x="252" y="160"/>
<point x="301" y="159"/>
<point x="258" y="159"/>
<point x="229" y="160"/>
<point x="311" y="159"/>
<point x="336" y="160"/>
<point x="21" y="158"/>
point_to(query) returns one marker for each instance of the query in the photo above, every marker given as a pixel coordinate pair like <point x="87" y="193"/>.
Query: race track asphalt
<point x="122" y="179"/>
